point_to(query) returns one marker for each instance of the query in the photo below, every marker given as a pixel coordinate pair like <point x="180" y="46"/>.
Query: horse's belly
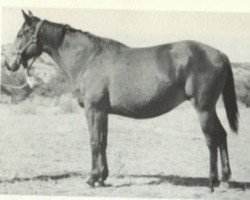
<point x="146" y="103"/>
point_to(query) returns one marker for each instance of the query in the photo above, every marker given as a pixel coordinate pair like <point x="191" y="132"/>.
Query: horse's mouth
<point x="13" y="68"/>
<point x="16" y="65"/>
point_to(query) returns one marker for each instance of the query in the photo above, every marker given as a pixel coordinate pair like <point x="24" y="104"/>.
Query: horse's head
<point x="27" y="44"/>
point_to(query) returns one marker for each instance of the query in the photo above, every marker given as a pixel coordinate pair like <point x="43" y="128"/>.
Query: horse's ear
<point x="27" y="18"/>
<point x="30" y="13"/>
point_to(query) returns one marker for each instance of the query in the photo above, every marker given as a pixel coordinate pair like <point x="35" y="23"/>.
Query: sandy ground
<point x="47" y="153"/>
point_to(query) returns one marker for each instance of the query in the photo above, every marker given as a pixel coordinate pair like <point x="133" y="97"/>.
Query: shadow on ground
<point x="183" y="181"/>
<point x="45" y="177"/>
<point x="157" y="179"/>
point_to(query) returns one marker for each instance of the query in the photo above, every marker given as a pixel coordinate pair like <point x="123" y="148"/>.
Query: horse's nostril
<point x="14" y="67"/>
<point x="7" y="65"/>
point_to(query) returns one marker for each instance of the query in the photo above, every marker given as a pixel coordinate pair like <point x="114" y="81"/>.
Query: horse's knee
<point x="95" y="147"/>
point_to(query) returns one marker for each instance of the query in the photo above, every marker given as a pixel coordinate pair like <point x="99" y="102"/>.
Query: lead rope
<point x="28" y="81"/>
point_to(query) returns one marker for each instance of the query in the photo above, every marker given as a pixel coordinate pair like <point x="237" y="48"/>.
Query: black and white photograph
<point x="99" y="102"/>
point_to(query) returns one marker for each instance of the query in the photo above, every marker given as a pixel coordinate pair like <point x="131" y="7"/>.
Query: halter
<point x="34" y="39"/>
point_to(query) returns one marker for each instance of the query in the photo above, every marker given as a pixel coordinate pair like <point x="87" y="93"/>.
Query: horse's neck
<point x="73" y="52"/>
<point x="77" y="48"/>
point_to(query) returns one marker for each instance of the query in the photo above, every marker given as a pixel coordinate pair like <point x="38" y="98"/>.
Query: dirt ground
<point x="46" y="152"/>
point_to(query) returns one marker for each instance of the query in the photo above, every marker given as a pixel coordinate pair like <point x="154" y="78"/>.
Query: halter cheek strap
<point x="33" y="39"/>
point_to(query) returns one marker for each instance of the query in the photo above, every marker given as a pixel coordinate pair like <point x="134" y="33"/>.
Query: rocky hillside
<point x="52" y="82"/>
<point x="242" y="82"/>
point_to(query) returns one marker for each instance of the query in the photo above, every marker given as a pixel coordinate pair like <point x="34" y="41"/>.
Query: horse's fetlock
<point x="226" y="174"/>
<point x="104" y="174"/>
<point x="95" y="174"/>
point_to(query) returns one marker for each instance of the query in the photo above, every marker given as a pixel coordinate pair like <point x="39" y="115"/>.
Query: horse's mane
<point x="53" y="34"/>
<point x="99" y="41"/>
<point x="104" y="41"/>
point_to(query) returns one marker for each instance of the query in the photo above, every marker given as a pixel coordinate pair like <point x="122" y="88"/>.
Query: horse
<point x="109" y="77"/>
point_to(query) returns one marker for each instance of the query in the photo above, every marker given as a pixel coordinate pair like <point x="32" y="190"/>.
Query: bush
<point x="242" y="82"/>
<point x="51" y="82"/>
<point x="68" y="104"/>
<point x="9" y="79"/>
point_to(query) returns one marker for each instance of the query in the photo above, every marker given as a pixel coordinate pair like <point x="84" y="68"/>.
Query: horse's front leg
<point x="97" y="123"/>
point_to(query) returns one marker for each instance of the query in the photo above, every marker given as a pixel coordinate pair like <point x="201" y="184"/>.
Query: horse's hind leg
<point x="215" y="137"/>
<point x="209" y="126"/>
<point x="222" y="143"/>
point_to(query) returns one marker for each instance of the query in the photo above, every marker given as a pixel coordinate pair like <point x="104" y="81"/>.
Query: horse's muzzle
<point x="13" y="64"/>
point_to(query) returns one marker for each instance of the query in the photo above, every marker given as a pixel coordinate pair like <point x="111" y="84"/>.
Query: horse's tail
<point x="229" y="98"/>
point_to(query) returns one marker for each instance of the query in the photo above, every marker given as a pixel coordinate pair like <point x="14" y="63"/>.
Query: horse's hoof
<point x="211" y="186"/>
<point x="102" y="184"/>
<point x="91" y="182"/>
<point x="216" y="182"/>
<point x="211" y="189"/>
<point x="223" y="186"/>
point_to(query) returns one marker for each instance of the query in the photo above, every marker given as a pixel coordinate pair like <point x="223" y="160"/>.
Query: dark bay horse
<point x="109" y="77"/>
